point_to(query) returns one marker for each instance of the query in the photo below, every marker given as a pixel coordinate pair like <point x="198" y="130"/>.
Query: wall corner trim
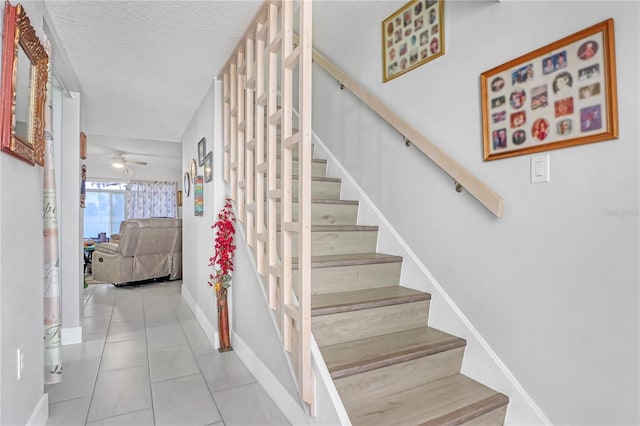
<point x="40" y="413"/>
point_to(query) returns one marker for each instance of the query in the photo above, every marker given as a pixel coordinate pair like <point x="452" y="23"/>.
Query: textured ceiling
<point x="145" y="66"/>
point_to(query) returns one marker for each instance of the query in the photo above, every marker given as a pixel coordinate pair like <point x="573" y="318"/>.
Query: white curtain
<point x="151" y="199"/>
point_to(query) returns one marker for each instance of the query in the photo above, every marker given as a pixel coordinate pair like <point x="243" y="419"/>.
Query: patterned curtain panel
<point x="52" y="286"/>
<point x="151" y="199"/>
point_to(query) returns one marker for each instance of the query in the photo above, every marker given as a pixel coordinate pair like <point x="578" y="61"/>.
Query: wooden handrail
<point x="472" y="184"/>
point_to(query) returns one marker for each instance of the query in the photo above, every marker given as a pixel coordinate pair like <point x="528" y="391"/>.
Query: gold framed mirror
<point x="23" y="88"/>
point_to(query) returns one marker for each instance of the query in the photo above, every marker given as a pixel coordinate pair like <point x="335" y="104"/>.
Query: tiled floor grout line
<point x="95" y="382"/>
<point x="195" y="357"/>
<point x="115" y="299"/>
<point x="159" y="302"/>
<point x="146" y="343"/>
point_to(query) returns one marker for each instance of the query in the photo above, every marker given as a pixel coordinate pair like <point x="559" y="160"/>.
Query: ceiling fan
<point x="119" y="162"/>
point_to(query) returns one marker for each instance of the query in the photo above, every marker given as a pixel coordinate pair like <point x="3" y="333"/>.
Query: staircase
<point x="387" y="364"/>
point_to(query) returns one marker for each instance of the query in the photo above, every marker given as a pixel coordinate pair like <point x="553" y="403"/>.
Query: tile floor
<point x="145" y="360"/>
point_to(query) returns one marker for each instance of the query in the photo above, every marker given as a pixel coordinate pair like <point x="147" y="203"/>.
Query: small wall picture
<point x="412" y="36"/>
<point x="83" y="185"/>
<point x="208" y="167"/>
<point x="198" y="202"/>
<point x="83" y="146"/>
<point x="202" y="147"/>
<point x="187" y="184"/>
<point x="193" y="168"/>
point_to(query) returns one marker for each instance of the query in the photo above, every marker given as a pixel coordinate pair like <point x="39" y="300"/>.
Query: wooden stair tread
<point x="349" y="259"/>
<point x="317" y="178"/>
<point x="340" y="228"/>
<point x="295" y="157"/>
<point x="357" y="356"/>
<point x="451" y="400"/>
<point x="332" y="303"/>
<point x="313" y="160"/>
<point x="329" y="201"/>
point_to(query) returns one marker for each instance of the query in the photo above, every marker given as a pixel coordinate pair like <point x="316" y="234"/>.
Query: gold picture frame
<point x="23" y="88"/>
<point x="186" y="185"/>
<point x="193" y="168"/>
<point x="560" y="95"/>
<point x="412" y="36"/>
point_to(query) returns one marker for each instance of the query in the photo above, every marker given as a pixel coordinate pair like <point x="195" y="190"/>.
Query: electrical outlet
<point x="20" y="361"/>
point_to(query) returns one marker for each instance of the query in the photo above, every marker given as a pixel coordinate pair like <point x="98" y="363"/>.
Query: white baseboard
<point x="71" y="335"/>
<point x="207" y="327"/>
<point x="40" y="413"/>
<point x="289" y="406"/>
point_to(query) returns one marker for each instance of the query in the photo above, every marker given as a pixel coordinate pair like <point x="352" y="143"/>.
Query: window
<point x="104" y="208"/>
<point x="151" y="199"/>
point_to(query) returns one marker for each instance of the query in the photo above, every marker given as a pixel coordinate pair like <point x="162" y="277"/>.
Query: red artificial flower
<point x="224" y="248"/>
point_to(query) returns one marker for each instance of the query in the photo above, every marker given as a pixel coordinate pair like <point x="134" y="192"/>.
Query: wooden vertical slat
<point x="250" y="135"/>
<point x="286" y="172"/>
<point x="233" y="131"/>
<point x="304" y="210"/>
<point x="240" y="80"/>
<point x="272" y="98"/>
<point x="226" y="126"/>
<point x="260" y="176"/>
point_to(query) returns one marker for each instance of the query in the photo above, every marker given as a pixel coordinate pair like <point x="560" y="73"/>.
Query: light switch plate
<point x="540" y="168"/>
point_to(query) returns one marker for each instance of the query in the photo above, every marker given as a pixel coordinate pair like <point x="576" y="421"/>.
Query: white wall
<point x="71" y="219"/>
<point x="253" y="329"/>
<point x="21" y="251"/>
<point x="553" y="285"/>
<point x="21" y="279"/>
<point x="197" y="235"/>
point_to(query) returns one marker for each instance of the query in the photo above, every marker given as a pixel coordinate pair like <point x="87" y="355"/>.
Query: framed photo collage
<point x="560" y="95"/>
<point x="412" y="36"/>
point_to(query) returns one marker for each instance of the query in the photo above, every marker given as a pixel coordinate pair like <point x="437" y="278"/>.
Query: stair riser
<point x="328" y="214"/>
<point x="347" y="326"/>
<point x="326" y="190"/>
<point x="342" y="242"/>
<point x="317" y="169"/>
<point x="357" y="277"/>
<point x="400" y="376"/>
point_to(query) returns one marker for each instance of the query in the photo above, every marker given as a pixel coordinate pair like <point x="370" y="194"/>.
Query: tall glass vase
<point x="223" y="320"/>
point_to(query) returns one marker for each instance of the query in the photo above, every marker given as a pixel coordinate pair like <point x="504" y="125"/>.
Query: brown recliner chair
<point x="146" y="249"/>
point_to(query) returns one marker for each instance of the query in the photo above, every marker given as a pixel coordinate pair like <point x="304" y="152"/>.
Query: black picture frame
<point x="208" y="167"/>
<point x="202" y="148"/>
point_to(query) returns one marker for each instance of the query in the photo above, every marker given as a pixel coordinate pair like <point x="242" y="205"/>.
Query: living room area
<point x="127" y="179"/>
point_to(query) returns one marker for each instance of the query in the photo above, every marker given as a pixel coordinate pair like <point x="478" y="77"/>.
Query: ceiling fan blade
<point x="142" y="163"/>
